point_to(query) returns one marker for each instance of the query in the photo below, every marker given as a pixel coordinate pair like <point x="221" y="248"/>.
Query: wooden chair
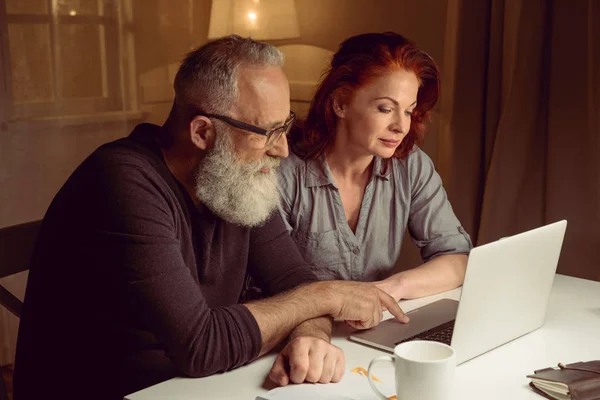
<point x="16" y="247"/>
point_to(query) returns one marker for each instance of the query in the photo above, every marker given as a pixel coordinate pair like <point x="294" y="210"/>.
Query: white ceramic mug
<point x="424" y="370"/>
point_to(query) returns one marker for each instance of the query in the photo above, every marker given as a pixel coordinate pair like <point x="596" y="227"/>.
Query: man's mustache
<point x="269" y="162"/>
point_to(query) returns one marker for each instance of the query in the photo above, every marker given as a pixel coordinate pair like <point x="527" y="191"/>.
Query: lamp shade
<point x="259" y="19"/>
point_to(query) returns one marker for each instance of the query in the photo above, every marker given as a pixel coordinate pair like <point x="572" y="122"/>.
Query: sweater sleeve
<point x="275" y="261"/>
<point x="136" y="238"/>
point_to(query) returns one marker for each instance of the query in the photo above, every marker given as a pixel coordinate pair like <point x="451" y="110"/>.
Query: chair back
<point x="16" y="248"/>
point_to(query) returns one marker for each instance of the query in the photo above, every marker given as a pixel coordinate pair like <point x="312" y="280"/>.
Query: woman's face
<point x="378" y="117"/>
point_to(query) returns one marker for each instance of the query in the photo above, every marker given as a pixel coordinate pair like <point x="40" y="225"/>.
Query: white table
<point x="570" y="333"/>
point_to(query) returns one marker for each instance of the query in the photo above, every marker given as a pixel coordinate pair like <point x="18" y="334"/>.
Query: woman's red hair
<point x="359" y="60"/>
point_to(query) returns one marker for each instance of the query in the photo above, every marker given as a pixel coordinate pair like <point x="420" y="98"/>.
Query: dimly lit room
<point x="467" y="183"/>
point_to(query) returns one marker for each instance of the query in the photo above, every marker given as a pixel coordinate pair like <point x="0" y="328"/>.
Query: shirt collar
<point x="318" y="172"/>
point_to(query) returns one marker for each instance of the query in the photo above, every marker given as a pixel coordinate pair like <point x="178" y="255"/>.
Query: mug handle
<point x="374" y="361"/>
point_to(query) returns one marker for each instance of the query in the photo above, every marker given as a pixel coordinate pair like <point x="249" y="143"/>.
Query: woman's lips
<point x="389" y="142"/>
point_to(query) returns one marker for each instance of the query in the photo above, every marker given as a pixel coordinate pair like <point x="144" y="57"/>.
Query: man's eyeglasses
<point x="272" y="135"/>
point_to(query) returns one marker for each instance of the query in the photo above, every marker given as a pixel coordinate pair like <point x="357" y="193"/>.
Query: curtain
<point x="520" y="121"/>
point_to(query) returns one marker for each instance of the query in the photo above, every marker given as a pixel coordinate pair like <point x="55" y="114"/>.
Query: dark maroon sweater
<point x="131" y="284"/>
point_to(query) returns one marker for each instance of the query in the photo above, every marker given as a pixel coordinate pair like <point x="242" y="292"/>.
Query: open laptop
<point x="504" y="296"/>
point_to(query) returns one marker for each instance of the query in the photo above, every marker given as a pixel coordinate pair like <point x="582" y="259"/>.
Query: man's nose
<point x="279" y="148"/>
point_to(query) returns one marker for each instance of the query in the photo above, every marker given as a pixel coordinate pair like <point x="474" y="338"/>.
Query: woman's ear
<point x="202" y="132"/>
<point x="339" y="107"/>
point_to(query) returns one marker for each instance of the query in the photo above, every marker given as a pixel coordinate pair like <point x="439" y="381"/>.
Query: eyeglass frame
<point x="253" y="128"/>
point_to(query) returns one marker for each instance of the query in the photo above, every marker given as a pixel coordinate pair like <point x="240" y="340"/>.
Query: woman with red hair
<point x="356" y="177"/>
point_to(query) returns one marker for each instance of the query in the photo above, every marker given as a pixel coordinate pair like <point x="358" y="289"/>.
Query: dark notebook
<point x="577" y="381"/>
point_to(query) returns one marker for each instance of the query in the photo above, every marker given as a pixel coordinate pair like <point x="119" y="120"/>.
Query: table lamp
<point x="259" y="19"/>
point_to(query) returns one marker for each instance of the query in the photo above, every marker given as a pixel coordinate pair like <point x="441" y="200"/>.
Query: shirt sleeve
<point x="287" y="181"/>
<point x="434" y="228"/>
<point x="275" y="261"/>
<point x="285" y="210"/>
<point x="136" y="238"/>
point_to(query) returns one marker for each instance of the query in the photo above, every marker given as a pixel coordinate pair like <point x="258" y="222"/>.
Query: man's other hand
<point x="308" y="359"/>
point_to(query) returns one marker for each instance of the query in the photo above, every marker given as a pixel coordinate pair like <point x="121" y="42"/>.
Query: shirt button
<point x="356" y="251"/>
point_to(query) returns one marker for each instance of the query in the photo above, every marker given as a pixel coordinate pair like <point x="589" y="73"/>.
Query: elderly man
<point x="142" y="255"/>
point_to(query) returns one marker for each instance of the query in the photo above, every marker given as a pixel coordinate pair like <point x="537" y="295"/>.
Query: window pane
<point x="77" y="7"/>
<point x="81" y="61"/>
<point x="31" y="62"/>
<point x="26" y="7"/>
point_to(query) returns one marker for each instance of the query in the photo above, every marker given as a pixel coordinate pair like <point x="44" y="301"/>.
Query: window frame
<point x="117" y="68"/>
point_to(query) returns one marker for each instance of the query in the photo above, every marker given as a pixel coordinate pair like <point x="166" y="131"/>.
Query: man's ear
<point x="202" y="132"/>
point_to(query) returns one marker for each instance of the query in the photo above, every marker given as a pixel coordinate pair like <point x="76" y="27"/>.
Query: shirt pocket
<point x="323" y="250"/>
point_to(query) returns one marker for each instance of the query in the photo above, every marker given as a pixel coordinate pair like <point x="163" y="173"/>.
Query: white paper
<point x="353" y="386"/>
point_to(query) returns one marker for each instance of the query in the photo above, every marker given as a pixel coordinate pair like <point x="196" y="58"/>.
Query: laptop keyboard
<point x="441" y="333"/>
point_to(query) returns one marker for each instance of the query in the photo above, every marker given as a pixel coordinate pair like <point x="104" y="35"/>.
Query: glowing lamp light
<point x="259" y="19"/>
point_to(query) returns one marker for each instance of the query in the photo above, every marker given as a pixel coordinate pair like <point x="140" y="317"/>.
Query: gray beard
<point x="234" y="190"/>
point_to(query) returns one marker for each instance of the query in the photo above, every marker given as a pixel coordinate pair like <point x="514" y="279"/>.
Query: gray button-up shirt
<point x="400" y="193"/>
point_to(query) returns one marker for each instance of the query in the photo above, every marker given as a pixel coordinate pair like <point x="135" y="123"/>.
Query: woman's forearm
<point x="438" y="275"/>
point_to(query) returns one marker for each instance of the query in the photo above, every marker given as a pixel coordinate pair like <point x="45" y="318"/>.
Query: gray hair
<point x="207" y="77"/>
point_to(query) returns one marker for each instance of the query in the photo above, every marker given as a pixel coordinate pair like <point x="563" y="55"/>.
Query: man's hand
<point x="310" y="359"/>
<point x="361" y="304"/>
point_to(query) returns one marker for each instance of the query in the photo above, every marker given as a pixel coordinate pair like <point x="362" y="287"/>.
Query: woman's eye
<point x="385" y="110"/>
<point x="409" y="113"/>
